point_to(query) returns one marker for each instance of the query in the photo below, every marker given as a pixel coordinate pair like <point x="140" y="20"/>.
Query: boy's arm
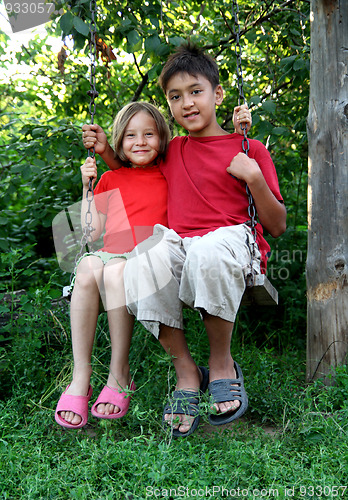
<point x="271" y="212"/>
<point x="93" y="136"/>
<point x="89" y="170"/>
<point x="241" y="114"/>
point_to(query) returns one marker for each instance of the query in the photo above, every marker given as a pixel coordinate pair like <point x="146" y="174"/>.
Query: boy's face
<point x="192" y="101"/>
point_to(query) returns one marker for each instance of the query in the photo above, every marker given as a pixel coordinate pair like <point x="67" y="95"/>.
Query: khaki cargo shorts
<point x="207" y="273"/>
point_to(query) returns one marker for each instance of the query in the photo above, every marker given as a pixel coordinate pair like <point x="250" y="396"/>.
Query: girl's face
<point x="141" y="141"/>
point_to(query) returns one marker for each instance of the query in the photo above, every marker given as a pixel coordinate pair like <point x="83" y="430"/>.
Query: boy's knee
<point x="203" y="255"/>
<point x="212" y="261"/>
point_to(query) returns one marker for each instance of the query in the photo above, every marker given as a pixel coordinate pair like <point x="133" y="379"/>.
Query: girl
<point x="128" y="202"/>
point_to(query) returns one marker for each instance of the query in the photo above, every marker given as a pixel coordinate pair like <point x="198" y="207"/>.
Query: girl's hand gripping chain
<point x="88" y="171"/>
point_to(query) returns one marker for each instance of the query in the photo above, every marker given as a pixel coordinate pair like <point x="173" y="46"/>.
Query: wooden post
<point x="327" y="263"/>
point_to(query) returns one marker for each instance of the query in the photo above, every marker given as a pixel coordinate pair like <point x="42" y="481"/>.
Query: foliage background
<point x="41" y="115"/>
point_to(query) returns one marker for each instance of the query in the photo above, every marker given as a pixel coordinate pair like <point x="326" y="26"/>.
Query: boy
<point x="207" y="209"/>
<point x="207" y="244"/>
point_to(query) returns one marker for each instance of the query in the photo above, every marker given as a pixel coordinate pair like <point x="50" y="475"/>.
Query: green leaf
<point x="26" y="173"/>
<point x="265" y="128"/>
<point x="288" y="60"/>
<point x="49" y="156"/>
<point x="154" y="21"/>
<point x="39" y="163"/>
<point x="36" y="132"/>
<point x="255" y="99"/>
<point x="77" y="151"/>
<point x="67" y="22"/>
<point x="133" y="37"/>
<point x="280" y="131"/>
<point x="81" y="26"/>
<point x="28" y="308"/>
<point x="152" y="43"/>
<point x="299" y="64"/>
<point x="155" y="71"/>
<point x="4" y="244"/>
<point x="143" y="59"/>
<point x="269" y="106"/>
<point x="63" y="149"/>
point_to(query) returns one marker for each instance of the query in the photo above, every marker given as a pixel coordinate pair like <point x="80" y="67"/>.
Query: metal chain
<point x="85" y="242"/>
<point x="238" y="52"/>
<point x="245" y="141"/>
<point x="92" y="93"/>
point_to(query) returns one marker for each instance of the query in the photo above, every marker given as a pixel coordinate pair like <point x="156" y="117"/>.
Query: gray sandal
<point x="187" y="403"/>
<point x="228" y="390"/>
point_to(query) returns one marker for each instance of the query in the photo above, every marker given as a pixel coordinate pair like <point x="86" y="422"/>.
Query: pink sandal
<point x="77" y="404"/>
<point x="116" y="398"/>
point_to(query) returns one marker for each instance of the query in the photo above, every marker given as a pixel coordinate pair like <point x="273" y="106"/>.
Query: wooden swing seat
<point x="262" y="293"/>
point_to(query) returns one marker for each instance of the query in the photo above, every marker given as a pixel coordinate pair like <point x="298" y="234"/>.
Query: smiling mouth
<point x="191" y="115"/>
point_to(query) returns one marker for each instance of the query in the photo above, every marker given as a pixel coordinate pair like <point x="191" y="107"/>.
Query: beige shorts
<point x="206" y="273"/>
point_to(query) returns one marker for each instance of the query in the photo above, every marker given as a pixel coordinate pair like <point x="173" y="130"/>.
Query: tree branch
<point x="140" y="88"/>
<point x="263" y="17"/>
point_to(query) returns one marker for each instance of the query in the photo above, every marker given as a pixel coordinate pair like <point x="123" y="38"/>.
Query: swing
<point x="259" y="290"/>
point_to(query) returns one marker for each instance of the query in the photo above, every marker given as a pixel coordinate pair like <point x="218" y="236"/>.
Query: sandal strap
<point x="225" y="390"/>
<point x="185" y="402"/>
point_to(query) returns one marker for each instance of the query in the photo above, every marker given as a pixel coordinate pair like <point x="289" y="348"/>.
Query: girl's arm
<point x="271" y="212"/>
<point x="93" y="136"/>
<point x="89" y="170"/>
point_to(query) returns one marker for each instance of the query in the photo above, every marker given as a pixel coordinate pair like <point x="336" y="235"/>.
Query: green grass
<point x="292" y="442"/>
<point x="135" y="456"/>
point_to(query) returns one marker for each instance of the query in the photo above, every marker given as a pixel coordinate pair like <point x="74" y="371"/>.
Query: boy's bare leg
<point x="221" y="364"/>
<point x="84" y="309"/>
<point x="188" y="375"/>
<point x="121" y="328"/>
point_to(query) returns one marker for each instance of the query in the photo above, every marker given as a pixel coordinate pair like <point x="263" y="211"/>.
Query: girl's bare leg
<point x="84" y="311"/>
<point x="121" y="328"/>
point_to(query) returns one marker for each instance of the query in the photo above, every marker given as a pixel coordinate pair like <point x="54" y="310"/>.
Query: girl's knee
<point x="89" y="271"/>
<point x="89" y="263"/>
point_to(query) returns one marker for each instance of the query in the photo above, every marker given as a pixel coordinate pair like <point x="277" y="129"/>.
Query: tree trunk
<point x="327" y="291"/>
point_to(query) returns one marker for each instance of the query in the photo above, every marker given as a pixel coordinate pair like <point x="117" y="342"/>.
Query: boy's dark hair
<point x="191" y="59"/>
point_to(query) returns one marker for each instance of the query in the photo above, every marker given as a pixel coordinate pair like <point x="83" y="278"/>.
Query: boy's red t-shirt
<point x="202" y="196"/>
<point x="134" y="200"/>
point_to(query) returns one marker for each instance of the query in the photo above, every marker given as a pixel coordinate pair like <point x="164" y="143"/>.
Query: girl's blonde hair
<point x="126" y="114"/>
